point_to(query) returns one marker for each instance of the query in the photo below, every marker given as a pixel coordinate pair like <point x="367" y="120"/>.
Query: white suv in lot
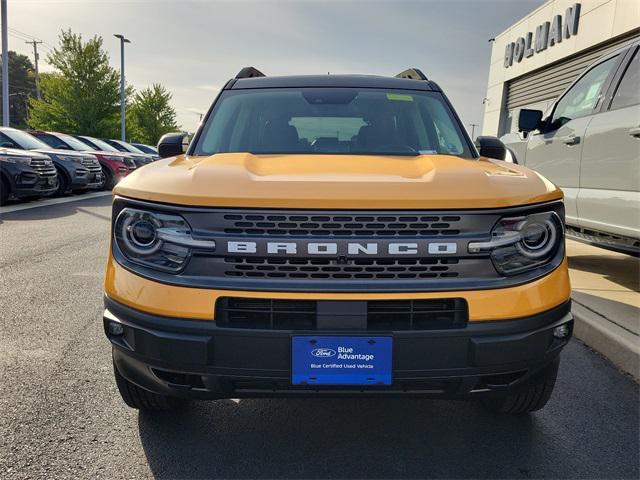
<point x="589" y="145"/>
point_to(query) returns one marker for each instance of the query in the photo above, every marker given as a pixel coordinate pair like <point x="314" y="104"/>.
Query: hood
<point x="15" y="152"/>
<point x="70" y="153"/>
<point x="104" y="152"/>
<point x="337" y="181"/>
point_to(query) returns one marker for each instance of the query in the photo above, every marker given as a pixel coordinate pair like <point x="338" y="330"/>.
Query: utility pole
<point x="5" y="65"/>
<point x="473" y="130"/>
<point x="122" y="105"/>
<point x="36" y="57"/>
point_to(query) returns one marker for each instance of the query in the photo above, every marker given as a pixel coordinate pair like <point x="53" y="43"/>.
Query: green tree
<point x="151" y="114"/>
<point x="82" y="95"/>
<point x="22" y="86"/>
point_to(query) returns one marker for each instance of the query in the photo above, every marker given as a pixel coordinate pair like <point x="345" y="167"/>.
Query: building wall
<point x="600" y="20"/>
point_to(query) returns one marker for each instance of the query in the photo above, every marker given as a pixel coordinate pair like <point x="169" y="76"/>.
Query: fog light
<point x="561" y="331"/>
<point x="115" y="328"/>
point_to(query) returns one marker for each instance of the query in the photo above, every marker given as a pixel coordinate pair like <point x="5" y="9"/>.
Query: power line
<point x="13" y="87"/>
<point x="27" y="35"/>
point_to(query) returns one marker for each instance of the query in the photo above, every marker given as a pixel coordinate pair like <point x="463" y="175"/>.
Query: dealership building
<point x="535" y="60"/>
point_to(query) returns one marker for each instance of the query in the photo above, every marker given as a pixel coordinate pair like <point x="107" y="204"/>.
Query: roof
<point x="362" y="81"/>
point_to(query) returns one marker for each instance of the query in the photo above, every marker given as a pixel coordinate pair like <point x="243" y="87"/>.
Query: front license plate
<point x="335" y="360"/>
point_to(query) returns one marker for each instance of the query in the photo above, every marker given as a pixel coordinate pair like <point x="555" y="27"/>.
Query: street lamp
<point x="5" y="66"/>
<point x="122" y="106"/>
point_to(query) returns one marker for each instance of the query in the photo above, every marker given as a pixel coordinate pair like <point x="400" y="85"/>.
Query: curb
<point x="619" y="345"/>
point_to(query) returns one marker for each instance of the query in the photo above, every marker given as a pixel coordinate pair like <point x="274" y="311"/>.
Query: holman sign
<point x="547" y="35"/>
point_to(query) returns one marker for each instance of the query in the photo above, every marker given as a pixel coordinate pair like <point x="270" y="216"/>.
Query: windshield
<point x="332" y="121"/>
<point x="74" y="143"/>
<point x="145" y="148"/>
<point x="99" y="144"/>
<point x="127" y="147"/>
<point x="25" y="140"/>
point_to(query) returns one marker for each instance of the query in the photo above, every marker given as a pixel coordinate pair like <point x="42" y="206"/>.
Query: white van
<point x="589" y="145"/>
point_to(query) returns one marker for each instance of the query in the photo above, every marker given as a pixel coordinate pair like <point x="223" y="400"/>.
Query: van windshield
<point x="332" y="121"/>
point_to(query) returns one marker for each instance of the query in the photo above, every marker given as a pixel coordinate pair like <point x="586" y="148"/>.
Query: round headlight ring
<point x="545" y="236"/>
<point x="136" y="245"/>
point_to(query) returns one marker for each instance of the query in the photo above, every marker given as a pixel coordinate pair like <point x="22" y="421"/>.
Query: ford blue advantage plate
<point x="335" y="360"/>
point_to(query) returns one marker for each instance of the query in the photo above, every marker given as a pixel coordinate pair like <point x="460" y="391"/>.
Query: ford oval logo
<point x="323" y="352"/>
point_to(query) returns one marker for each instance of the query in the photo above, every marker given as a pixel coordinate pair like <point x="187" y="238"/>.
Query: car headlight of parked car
<point x="523" y="243"/>
<point x="113" y="158"/>
<point x="160" y="241"/>
<point x="69" y="158"/>
<point x="10" y="159"/>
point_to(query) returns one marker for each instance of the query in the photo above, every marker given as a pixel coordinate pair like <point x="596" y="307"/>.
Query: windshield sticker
<point x="427" y="152"/>
<point x="399" y="97"/>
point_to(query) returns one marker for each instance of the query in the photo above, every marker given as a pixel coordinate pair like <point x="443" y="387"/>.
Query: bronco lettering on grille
<point x="352" y="248"/>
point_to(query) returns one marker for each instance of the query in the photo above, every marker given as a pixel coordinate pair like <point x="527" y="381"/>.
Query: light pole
<point x="122" y="106"/>
<point x="473" y="130"/>
<point x="5" y="66"/>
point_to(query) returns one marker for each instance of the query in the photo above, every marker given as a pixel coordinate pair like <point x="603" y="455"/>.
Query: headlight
<point x="9" y="159"/>
<point x="160" y="241"/>
<point x="69" y="158"/>
<point x="523" y="243"/>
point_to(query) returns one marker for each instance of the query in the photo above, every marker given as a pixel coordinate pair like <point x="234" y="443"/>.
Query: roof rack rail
<point x="250" y="72"/>
<point x="412" y="74"/>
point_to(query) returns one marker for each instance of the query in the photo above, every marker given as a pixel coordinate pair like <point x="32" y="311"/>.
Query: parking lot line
<point x="50" y="201"/>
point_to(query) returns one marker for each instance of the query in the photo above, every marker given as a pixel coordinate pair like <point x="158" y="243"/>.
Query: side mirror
<point x="529" y="120"/>
<point x="491" y="147"/>
<point x="172" y="144"/>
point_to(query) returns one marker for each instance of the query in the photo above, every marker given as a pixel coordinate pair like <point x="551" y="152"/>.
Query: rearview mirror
<point x="529" y="120"/>
<point x="491" y="147"/>
<point x="172" y="144"/>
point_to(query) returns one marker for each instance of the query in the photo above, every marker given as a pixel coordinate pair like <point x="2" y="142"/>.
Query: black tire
<point x="531" y="398"/>
<point x="63" y="184"/>
<point x="141" y="399"/>
<point x="5" y="191"/>
<point x="107" y="182"/>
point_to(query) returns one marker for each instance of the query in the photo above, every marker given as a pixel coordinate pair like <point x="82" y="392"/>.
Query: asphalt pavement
<point x="61" y="416"/>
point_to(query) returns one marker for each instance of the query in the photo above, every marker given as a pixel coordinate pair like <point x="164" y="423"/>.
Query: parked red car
<point x="115" y="165"/>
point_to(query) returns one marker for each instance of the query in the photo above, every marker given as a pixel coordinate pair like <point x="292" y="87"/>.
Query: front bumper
<point x="94" y="180"/>
<point x="31" y="184"/>
<point x="198" y="359"/>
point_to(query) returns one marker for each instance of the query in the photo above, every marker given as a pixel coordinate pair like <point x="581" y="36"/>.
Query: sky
<point x="193" y="47"/>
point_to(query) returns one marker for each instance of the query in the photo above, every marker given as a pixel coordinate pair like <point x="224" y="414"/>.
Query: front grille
<point x="43" y="166"/>
<point x="91" y="164"/>
<point x="341" y="225"/>
<point x="381" y="315"/>
<point x="336" y="250"/>
<point x="351" y="269"/>
<point x="347" y="268"/>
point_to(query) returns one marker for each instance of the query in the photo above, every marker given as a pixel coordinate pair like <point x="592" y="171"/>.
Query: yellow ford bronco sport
<point x="336" y="236"/>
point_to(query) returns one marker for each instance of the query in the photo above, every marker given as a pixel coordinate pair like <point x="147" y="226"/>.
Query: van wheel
<point x="141" y="399"/>
<point x="5" y="191"/>
<point x="531" y="398"/>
